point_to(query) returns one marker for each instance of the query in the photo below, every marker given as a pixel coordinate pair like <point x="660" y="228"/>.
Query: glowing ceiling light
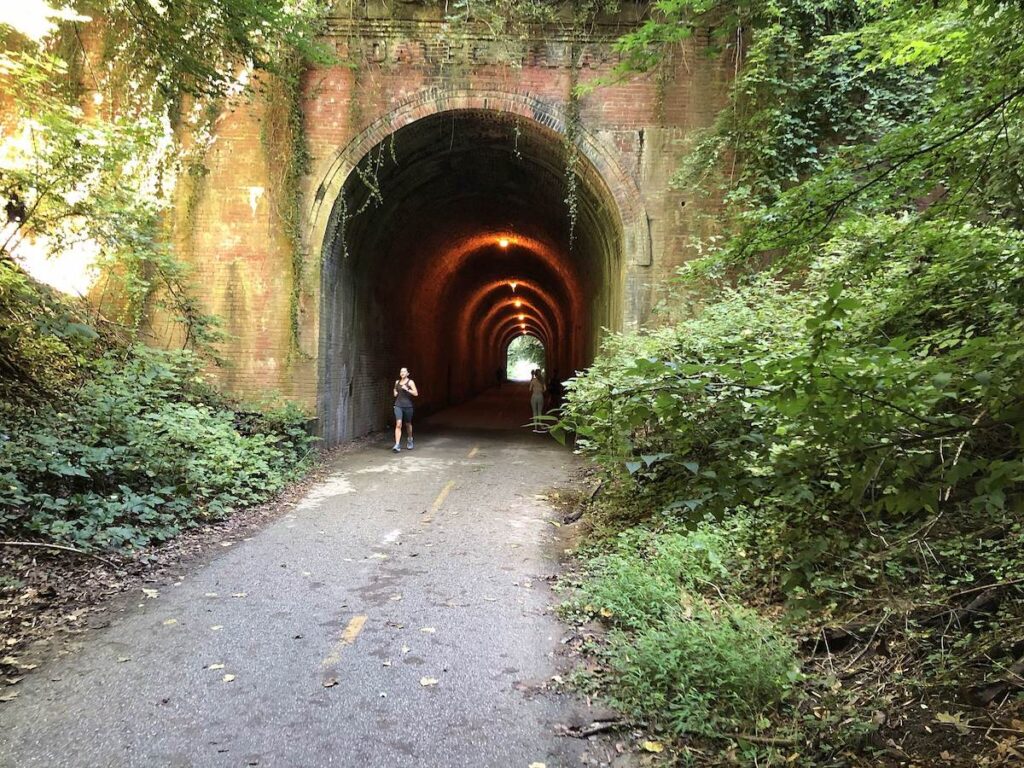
<point x="513" y="283"/>
<point x="522" y="317"/>
<point x="503" y="242"/>
<point x="519" y="303"/>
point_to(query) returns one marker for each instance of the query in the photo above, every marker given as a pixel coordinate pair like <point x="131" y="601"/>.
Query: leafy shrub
<point x="137" y="453"/>
<point x="887" y="385"/>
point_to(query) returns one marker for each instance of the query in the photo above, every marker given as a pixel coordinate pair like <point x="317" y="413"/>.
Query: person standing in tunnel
<point x="536" y="398"/>
<point x="404" y="391"/>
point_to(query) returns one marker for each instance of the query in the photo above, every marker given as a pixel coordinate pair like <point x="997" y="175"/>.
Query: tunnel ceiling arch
<point x="436" y="233"/>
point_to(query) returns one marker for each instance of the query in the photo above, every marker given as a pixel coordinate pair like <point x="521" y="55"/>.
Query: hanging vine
<point x="572" y="134"/>
<point x="286" y="149"/>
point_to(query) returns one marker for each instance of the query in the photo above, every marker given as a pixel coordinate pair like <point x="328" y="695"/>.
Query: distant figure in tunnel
<point x="536" y="398"/>
<point x="404" y="391"/>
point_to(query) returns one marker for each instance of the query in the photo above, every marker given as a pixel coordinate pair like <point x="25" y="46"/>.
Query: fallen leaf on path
<point x="427" y="629"/>
<point x="405" y="649"/>
<point x="396" y="597"/>
<point x="379" y="556"/>
<point x="226" y="543"/>
<point x="123" y="659"/>
<point x="10" y="696"/>
<point x="210" y="594"/>
<point x="491" y="599"/>
<point x="240" y="594"/>
<point x="152" y="594"/>
<point x="169" y="622"/>
<point x="427" y="681"/>
<point x="653" y="746"/>
<point x="228" y="678"/>
<point x="538" y="765"/>
<point x="216" y="666"/>
<point x="330" y="682"/>
<point x="607" y="613"/>
<point x="955" y="720"/>
<point x="386" y="663"/>
<point x="217" y="627"/>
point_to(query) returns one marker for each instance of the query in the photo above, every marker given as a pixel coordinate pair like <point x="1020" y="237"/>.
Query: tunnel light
<point x="522" y="317"/>
<point x="503" y="242"/>
<point x="513" y="284"/>
<point x="519" y="303"/>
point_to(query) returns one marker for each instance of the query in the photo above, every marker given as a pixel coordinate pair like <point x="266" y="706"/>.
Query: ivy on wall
<point x="286" y="151"/>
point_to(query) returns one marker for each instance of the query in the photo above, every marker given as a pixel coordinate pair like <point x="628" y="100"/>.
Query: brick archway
<point x="620" y="186"/>
<point x="432" y="265"/>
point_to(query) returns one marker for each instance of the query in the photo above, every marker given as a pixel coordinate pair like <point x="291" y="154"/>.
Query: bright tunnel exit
<point x="524" y="355"/>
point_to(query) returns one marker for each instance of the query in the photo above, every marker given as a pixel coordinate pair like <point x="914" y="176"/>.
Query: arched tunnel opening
<point x="524" y="354"/>
<point x="456" y="234"/>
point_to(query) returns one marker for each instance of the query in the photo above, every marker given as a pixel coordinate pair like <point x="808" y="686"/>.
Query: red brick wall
<point x="244" y="267"/>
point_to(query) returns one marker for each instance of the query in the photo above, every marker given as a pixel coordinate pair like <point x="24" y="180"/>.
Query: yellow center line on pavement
<point x="438" y="501"/>
<point x="473" y="451"/>
<point x="348" y="637"/>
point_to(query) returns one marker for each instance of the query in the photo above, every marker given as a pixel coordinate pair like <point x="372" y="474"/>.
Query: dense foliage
<point x="114" y="445"/>
<point x="103" y="441"/>
<point x="850" y="386"/>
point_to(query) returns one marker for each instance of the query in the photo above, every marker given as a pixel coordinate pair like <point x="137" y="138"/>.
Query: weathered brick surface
<point x="634" y="134"/>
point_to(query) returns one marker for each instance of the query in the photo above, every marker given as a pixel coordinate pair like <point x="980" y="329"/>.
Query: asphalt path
<point x="400" y="614"/>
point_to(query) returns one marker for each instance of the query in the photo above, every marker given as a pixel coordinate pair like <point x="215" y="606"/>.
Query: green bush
<point x="138" y="452"/>
<point x="672" y="656"/>
<point x="885" y="387"/>
<point x="640" y="580"/>
<point x="703" y="671"/>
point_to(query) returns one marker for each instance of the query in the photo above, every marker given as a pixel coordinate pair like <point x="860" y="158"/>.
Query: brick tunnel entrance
<point x="450" y="238"/>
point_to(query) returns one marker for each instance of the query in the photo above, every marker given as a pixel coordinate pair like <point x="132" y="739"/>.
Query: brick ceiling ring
<point x="566" y="277"/>
<point x="557" y="322"/>
<point x="503" y="328"/>
<point x="513" y="333"/>
<point x="497" y="317"/>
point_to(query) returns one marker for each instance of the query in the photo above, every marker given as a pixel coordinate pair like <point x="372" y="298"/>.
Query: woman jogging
<point x="404" y="391"/>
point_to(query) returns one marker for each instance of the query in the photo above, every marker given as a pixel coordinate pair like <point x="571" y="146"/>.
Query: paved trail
<point x="394" y="571"/>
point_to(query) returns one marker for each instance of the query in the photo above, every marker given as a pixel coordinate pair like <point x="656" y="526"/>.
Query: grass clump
<point x="703" y="670"/>
<point x="680" y="654"/>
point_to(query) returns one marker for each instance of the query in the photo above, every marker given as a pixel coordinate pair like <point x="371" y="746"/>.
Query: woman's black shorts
<point x="403" y="414"/>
